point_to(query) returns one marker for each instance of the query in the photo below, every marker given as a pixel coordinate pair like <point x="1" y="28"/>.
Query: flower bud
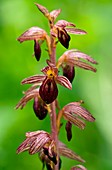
<point x="48" y="90"/>
<point x="69" y="72"/>
<point x="37" y="50"/>
<point x="39" y="108"/>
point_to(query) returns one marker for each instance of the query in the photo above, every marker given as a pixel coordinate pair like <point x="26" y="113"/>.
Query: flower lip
<point x="48" y="90"/>
<point x="40" y="108"/>
<point x="68" y="72"/>
<point x="37" y="50"/>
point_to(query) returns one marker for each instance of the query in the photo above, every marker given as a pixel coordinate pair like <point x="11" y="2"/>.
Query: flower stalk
<point x="54" y="132"/>
<point x="44" y="91"/>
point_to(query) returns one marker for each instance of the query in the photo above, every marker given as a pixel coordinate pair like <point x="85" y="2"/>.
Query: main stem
<point x="53" y="107"/>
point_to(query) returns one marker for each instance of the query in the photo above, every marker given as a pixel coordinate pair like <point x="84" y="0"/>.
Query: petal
<point x="25" y="145"/>
<point x="81" y="64"/>
<point x="64" y="23"/>
<point x="36" y="133"/>
<point x="75" y="31"/>
<point x="48" y="90"/>
<point x="79" y="111"/>
<point x="54" y="14"/>
<point x="42" y="9"/>
<point x="74" y="53"/>
<point x="28" y="96"/>
<point x="34" y="142"/>
<point x="64" y="151"/>
<point x="38" y="144"/>
<point x="32" y="34"/>
<point x="62" y="80"/>
<point x="78" y="167"/>
<point x="33" y="79"/>
<point x="74" y="120"/>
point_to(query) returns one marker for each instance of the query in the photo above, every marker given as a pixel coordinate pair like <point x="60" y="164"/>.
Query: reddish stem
<point x="54" y="130"/>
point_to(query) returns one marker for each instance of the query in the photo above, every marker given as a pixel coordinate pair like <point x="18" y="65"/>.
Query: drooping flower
<point x="37" y="142"/>
<point x="76" y="58"/>
<point x="41" y="142"/>
<point x="38" y="35"/>
<point x="48" y="90"/>
<point x="39" y="106"/>
<point x="74" y="113"/>
<point x="61" y="30"/>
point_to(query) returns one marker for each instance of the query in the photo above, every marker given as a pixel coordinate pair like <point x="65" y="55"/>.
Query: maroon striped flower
<point x="75" y="58"/>
<point x="38" y="35"/>
<point x="39" y="106"/>
<point x="74" y="113"/>
<point x="41" y="142"/>
<point x="48" y="90"/>
<point x="61" y="30"/>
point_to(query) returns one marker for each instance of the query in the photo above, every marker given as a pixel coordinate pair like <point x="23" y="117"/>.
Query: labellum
<point x="69" y="72"/>
<point x="53" y="158"/>
<point x="63" y="37"/>
<point x="39" y="108"/>
<point x="68" y="128"/>
<point x="37" y="50"/>
<point x="48" y="90"/>
<point x="49" y="166"/>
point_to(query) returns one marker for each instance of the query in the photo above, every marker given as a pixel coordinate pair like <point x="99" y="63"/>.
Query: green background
<point x="94" y="143"/>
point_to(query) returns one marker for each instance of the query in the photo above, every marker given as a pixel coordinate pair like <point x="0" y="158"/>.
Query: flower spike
<point x="44" y="91"/>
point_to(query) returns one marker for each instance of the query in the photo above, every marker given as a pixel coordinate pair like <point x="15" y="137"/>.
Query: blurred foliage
<point x="94" y="143"/>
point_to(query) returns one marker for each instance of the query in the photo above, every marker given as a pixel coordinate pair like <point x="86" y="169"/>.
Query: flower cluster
<point x="44" y="91"/>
